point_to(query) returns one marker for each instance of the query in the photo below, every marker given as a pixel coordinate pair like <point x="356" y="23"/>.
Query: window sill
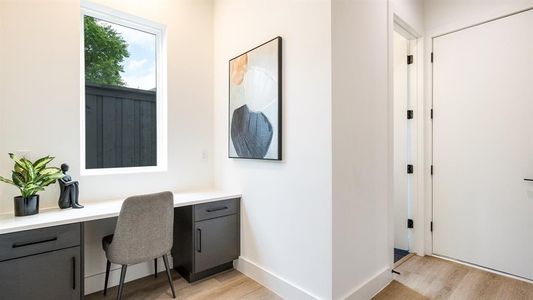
<point x="115" y="171"/>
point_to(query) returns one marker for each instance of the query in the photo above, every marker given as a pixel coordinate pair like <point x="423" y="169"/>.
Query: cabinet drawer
<point x="215" y="209"/>
<point x="24" y="243"/>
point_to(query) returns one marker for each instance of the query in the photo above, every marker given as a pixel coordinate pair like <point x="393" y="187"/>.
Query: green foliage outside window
<point x="105" y="50"/>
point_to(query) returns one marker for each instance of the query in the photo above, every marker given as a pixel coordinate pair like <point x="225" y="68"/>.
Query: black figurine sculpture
<point x="69" y="190"/>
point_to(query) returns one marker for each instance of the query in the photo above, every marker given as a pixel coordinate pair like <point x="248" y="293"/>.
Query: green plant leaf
<point x="18" y="161"/>
<point x="32" y="178"/>
<point x="50" y="171"/>
<point x="18" y="168"/>
<point x="28" y="192"/>
<point x="31" y="186"/>
<point x="56" y="176"/>
<point x="48" y="176"/>
<point x="18" y="179"/>
<point x="42" y="162"/>
<point x="5" y="180"/>
<point x="28" y="167"/>
<point x="48" y="181"/>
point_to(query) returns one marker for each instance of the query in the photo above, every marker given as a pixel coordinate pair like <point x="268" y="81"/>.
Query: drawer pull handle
<point x="24" y="244"/>
<point x="74" y="272"/>
<point x="216" y="209"/>
<point x="199" y="240"/>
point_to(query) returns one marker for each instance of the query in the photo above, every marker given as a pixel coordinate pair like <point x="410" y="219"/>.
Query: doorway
<point x="404" y="100"/>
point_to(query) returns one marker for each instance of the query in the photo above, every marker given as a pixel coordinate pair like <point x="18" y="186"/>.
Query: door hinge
<point x="431" y="170"/>
<point x="409" y="59"/>
<point x="431" y="113"/>
<point x="431" y="226"/>
<point x="432" y="57"/>
<point x="410" y="169"/>
<point x="410" y="114"/>
<point x="410" y="223"/>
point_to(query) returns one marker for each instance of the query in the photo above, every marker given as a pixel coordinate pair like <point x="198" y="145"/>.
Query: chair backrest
<point x="144" y="229"/>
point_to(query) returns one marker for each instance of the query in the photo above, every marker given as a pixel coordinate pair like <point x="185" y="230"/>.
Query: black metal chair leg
<point x="155" y="267"/>
<point x="169" y="276"/>
<point x="107" y="268"/>
<point x="121" y="284"/>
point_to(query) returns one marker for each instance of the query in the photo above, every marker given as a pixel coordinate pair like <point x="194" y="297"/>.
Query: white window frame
<point x="159" y="30"/>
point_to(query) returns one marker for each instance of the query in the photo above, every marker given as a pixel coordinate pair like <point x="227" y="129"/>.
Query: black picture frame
<point x="279" y="102"/>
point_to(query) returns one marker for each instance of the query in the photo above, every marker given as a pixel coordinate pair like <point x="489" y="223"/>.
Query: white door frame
<point x="396" y="22"/>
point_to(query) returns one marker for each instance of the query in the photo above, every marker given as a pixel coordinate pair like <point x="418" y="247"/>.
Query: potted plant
<point x="31" y="178"/>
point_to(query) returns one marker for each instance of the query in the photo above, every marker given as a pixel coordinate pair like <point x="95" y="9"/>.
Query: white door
<point x="483" y="145"/>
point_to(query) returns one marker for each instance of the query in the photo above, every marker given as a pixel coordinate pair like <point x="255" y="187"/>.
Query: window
<point x="123" y="94"/>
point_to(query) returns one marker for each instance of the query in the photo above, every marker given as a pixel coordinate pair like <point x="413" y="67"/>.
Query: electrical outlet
<point x="204" y="155"/>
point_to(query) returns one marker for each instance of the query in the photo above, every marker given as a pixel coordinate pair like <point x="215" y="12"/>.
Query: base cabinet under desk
<point x="42" y="264"/>
<point x="206" y="238"/>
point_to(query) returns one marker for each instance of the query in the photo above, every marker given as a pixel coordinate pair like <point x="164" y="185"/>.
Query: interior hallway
<point x="434" y="278"/>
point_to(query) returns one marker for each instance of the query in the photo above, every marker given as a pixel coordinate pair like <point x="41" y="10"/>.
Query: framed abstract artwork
<point x="255" y="103"/>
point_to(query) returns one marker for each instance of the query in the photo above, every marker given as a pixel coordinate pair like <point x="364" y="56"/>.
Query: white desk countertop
<point x="95" y="211"/>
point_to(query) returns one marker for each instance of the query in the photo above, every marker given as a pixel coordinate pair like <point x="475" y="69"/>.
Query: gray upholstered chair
<point x="143" y="233"/>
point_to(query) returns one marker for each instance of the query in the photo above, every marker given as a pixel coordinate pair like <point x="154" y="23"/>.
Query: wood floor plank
<point x="226" y="285"/>
<point x="234" y="289"/>
<point x="396" y="290"/>
<point x="261" y="293"/>
<point x="435" y="278"/>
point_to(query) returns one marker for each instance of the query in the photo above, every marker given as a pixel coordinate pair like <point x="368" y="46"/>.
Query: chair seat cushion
<point x="106" y="241"/>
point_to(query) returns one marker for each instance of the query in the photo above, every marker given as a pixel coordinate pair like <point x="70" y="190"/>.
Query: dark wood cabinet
<point x="206" y="238"/>
<point x="217" y="242"/>
<point x="51" y="275"/>
<point x="42" y="263"/>
<point x="48" y="262"/>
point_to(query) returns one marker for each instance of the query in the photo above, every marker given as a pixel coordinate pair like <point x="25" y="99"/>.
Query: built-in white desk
<point x="42" y="256"/>
<point x="96" y="210"/>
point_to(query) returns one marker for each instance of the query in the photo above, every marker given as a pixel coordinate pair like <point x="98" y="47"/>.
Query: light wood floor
<point x="434" y="278"/>
<point x="227" y="285"/>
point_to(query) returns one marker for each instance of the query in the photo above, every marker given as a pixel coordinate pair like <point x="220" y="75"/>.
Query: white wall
<point x="39" y="98"/>
<point x="360" y="146"/>
<point x="286" y="205"/>
<point x="441" y="16"/>
<point x="40" y="76"/>
<point x="411" y="12"/>
<point x="362" y="142"/>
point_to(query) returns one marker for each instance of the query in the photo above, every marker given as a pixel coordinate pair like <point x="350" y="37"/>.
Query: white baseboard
<point x="273" y="282"/>
<point x="371" y="287"/>
<point x="95" y="282"/>
<point x="464" y="263"/>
